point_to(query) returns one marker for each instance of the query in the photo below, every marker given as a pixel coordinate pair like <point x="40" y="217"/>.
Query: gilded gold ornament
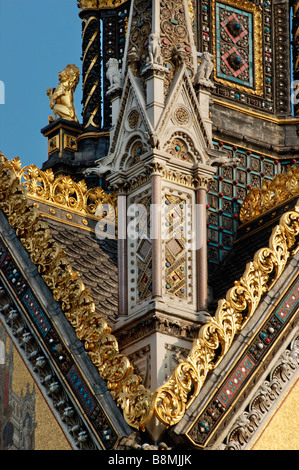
<point x="99" y="4"/>
<point x="64" y="191"/>
<point x="215" y="338"/>
<point x="170" y="401"/>
<point x="272" y="193"/>
<point x="62" y="97"/>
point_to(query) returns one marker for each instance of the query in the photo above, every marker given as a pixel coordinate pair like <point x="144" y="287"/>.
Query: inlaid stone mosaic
<point x="243" y="372"/>
<point x="234" y="30"/>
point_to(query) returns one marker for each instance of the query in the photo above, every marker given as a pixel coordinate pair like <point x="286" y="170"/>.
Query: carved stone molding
<point x="161" y="324"/>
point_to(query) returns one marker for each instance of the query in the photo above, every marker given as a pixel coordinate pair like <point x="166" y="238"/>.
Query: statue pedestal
<point x="62" y="138"/>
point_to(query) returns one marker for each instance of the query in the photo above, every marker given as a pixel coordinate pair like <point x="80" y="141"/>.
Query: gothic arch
<point x="134" y="148"/>
<point x="187" y="151"/>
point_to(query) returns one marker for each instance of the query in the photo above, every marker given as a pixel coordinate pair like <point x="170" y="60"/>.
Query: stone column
<point x="156" y="231"/>
<point x="201" y="238"/>
<point x="122" y="254"/>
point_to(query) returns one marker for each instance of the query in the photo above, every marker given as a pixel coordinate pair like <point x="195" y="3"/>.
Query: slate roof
<point x="94" y="260"/>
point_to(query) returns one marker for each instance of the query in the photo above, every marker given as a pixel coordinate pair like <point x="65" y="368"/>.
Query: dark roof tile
<point x="95" y="261"/>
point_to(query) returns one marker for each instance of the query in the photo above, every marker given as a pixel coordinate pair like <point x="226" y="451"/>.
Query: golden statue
<point x="62" y="97"/>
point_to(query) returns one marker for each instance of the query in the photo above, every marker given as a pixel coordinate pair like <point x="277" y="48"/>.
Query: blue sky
<point x="38" y="38"/>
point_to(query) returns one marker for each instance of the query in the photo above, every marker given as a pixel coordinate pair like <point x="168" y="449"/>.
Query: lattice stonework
<point x="175" y="247"/>
<point x="177" y="244"/>
<point x="139" y="248"/>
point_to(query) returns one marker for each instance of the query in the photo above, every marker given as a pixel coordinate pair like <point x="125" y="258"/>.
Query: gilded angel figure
<point x="62" y="97"/>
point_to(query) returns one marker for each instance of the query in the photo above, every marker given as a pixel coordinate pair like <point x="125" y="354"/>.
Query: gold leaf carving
<point x="215" y="338"/>
<point x="272" y="194"/>
<point x="99" y="4"/>
<point x="69" y="289"/>
<point x="170" y="401"/>
<point x="63" y="190"/>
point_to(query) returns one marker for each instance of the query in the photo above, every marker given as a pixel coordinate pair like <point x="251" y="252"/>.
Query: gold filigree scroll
<point x="76" y="302"/>
<point x="233" y="312"/>
<point x="169" y="402"/>
<point x="272" y="193"/>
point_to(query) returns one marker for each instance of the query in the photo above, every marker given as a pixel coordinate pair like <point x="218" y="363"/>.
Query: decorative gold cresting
<point x="169" y="402"/>
<point x="62" y="97"/>
<point x="99" y="4"/>
<point x="63" y="190"/>
<point x="271" y="194"/>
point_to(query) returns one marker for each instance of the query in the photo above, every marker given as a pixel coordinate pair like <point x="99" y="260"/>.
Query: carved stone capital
<point x="155" y="168"/>
<point x="202" y="181"/>
<point x="203" y="175"/>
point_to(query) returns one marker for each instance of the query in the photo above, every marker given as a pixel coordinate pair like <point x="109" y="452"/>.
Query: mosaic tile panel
<point x="235" y="381"/>
<point x="249" y="364"/>
<point x="234" y="44"/>
<point x="36" y="312"/>
<point x="291" y="301"/>
<point x="144" y="250"/>
<point x="252" y="46"/>
<point x="139" y="248"/>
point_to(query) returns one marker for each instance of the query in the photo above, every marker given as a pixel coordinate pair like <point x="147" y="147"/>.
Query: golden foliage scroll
<point x="169" y="402"/>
